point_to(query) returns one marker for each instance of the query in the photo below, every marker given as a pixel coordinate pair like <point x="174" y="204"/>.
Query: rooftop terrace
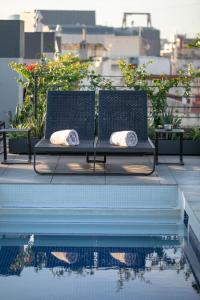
<point x="171" y="190"/>
<point x="186" y="177"/>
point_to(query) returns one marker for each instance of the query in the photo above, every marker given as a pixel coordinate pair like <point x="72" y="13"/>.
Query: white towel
<point x="126" y="138"/>
<point x="68" y="137"/>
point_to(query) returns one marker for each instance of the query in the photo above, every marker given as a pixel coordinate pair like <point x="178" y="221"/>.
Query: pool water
<point x="75" y="268"/>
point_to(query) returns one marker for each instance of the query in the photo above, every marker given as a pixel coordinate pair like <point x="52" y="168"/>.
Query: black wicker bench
<point x="68" y="110"/>
<point x="118" y="110"/>
<point x="123" y="110"/>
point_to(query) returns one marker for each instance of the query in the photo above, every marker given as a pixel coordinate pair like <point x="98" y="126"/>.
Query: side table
<point x="4" y="131"/>
<point x="2" y="125"/>
<point x="164" y="132"/>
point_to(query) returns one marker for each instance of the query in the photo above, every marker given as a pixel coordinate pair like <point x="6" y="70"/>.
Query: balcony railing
<point x="188" y="109"/>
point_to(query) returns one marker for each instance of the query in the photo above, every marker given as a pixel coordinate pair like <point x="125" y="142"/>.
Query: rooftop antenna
<point x="126" y="14"/>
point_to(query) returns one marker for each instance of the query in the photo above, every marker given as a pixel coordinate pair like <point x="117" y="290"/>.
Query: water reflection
<point x="129" y="263"/>
<point x="14" y="258"/>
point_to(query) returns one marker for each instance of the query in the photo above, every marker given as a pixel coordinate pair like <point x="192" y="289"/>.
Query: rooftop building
<point x="69" y="24"/>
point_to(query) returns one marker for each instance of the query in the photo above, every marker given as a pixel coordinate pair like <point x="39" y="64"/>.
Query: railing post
<point x="35" y="94"/>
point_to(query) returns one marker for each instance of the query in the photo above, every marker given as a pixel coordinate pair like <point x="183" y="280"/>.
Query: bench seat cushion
<point x="44" y="145"/>
<point x="141" y="147"/>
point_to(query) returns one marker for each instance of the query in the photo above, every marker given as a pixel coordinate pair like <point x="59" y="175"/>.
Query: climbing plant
<point x="157" y="87"/>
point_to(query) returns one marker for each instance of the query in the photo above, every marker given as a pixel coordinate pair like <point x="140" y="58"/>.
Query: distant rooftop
<point x="68" y="17"/>
<point x="99" y="29"/>
<point x="95" y="29"/>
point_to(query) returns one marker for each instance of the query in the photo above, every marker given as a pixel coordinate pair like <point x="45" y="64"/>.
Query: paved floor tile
<point x="186" y="177"/>
<point x="22" y="174"/>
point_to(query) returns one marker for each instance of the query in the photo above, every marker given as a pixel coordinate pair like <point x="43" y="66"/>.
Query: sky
<point x="169" y="16"/>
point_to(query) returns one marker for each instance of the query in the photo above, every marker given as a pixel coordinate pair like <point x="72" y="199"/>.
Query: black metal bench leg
<point x="2" y="125"/>
<point x="181" y="149"/>
<point x="156" y="149"/>
<point x="94" y="161"/>
<point x="34" y="164"/>
<point x="152" y="170"/>
<point x="154" y="165"/>
<point x="29" y="147"/>
<point x="88" y="160"/>
<point x="4" y="149"/>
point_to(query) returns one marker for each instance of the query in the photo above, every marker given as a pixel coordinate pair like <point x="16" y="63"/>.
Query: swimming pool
<point x="60" y="267"/>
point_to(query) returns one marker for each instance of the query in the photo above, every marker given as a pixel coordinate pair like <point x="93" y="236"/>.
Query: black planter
<point x="171" y="147"/>
<point x="20" y="146"/>
<point x="166" y="147"/>
<point x="191" y="147"/>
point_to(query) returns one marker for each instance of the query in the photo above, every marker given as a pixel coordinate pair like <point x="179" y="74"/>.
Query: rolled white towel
<point x="68" y="137"/>
<point x="127" y="138"/>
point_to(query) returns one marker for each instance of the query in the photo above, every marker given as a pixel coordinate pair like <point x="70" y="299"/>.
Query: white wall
<point x="29" y="21"/>
<point x="123" y="46"/>
<point x="11" y="93"/>
<point x="179" y="64"/>
<point x="159" y="65"/>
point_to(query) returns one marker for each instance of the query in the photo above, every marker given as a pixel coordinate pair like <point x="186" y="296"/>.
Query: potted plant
<point x="170" y="120"/>
<point x="18" y="143"/>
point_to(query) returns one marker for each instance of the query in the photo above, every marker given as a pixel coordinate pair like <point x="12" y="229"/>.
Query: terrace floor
<point x="186" y="177"/>
<point x="188" y="174"/>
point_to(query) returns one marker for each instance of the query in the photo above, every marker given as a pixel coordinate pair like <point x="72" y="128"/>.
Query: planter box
<point x="20" y="146"/>
<point x="171" y="147"/>
<point x="191" y="147"/>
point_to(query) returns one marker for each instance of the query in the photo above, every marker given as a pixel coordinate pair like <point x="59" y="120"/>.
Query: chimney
<point x="83" y="50"/>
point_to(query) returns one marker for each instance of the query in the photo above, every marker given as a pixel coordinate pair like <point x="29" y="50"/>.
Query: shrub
<point x="66" y="73"/>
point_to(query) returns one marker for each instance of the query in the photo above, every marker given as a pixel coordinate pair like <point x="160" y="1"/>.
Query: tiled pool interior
<point x="61" y="267"/>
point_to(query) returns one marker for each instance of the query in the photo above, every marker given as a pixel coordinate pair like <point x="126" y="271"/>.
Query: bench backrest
<point x="122" y="110"/>
<point x="71" y="110"/>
